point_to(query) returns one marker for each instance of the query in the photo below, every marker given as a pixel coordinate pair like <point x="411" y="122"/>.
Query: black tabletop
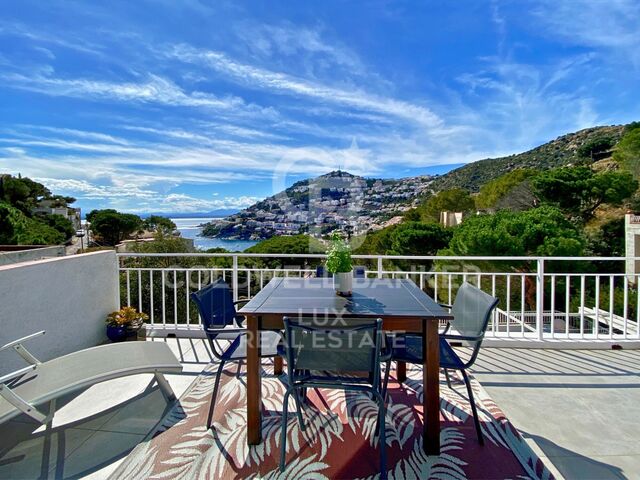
<point x="371" y="298"/>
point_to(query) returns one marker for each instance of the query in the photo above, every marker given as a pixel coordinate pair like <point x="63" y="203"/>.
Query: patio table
<point x="400" y="303"/>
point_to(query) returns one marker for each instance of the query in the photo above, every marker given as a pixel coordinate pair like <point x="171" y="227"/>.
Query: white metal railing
<point x="535" y="304"/>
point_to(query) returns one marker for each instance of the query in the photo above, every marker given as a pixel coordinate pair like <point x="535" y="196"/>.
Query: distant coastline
<point x="191" y="228"/>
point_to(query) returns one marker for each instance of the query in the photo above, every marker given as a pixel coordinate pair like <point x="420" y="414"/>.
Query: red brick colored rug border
<point x="338" y="441"/>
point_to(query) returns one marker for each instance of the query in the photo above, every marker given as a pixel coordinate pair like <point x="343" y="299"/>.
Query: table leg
<point x="431" y="387"/>
<point x="277" y="365"/>
<point x="254" y="400"/>
<point x="401" y="371"/>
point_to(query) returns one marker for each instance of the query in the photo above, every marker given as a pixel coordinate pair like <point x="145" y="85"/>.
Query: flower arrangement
<point x="126" y="317"/>
<point x="339" y="255"/>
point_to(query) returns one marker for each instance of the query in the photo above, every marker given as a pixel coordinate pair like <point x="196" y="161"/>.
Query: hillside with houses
<point x="316" y="206"/>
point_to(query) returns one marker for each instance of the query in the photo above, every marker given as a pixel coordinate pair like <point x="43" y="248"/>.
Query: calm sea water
<point x="190" y="228"/>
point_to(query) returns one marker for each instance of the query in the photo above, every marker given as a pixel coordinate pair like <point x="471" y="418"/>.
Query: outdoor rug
<point x="338" y="441"/>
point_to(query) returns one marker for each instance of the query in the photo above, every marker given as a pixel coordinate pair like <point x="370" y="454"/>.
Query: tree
<point x="18" y="229"/>
<point x="595" y="146"/>
<point x="579" y="191"/>
<point x="454" y="200"/>
<point x="295" y="244"/>
<point x="113" y="226"/>
<point x="60" y="223"/>
<point x="627" y="152"/>
<point x="495" y="190"/>
<point x="540" y="231"/>
<point x="22" y="193"/>
<point x="408" y="238"/>
<point x="156" y="223"/>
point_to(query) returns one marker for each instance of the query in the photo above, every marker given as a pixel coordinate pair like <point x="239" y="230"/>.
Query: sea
<point x="190" y="228"/>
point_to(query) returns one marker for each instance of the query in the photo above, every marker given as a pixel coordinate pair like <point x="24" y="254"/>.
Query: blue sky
<point x="172" y="106"/>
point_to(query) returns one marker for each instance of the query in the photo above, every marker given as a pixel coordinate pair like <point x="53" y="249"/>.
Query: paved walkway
<point x="578" y="408"/>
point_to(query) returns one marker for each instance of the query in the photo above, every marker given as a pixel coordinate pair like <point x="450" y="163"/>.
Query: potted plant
<point x="123" y="323"/>
<point x="340" y="264"/>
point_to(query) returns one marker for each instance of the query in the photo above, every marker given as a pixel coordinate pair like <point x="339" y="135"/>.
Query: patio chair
<point x="221" y="322"/>
<point x="321" y="356"/>
<point x="321" y="272"/>
<point x="25" y="390"/>
<point x="471" y="311"/>
<point x="358" y="272"/>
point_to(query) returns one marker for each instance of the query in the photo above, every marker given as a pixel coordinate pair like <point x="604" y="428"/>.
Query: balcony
<point x="547" y="366"/>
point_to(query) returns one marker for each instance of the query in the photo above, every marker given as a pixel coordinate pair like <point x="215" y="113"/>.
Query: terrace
<point x="547" y="361"/>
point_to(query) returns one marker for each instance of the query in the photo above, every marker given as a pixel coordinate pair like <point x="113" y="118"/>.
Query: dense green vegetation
<point x="540" y="231"/>
<point x="495" y="190"/>
<point x="16" y="228"/>
<point x="408" y="238"/>
<point x="627" y="152"/>
<point x="288" y="244"/>
<point x="579" y="191"/>
<point x="18" y="224"/>
<point x="454" y="200"/>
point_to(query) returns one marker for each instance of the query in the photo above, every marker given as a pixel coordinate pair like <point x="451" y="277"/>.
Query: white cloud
<point x="154" y="90"/>
<point x="276" y="82"/>
<point x="613" y="25"/>
<point x="144" y="200"/>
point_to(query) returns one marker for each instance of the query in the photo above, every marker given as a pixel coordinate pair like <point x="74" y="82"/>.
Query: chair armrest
<point x="462" y="337"/>
<point x="21" y="350"/>
<point x="446" y="305"/>
<point x="23" y="339"/>
<point x="237" y="302"/>
<point x="221" y="331"/>
<point x="17" y="373"/>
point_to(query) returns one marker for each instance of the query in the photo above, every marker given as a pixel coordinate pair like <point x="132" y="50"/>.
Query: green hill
<point x="565" y="150"/>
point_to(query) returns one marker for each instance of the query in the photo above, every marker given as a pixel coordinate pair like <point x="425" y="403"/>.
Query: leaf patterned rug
<point x="338" y="441"/>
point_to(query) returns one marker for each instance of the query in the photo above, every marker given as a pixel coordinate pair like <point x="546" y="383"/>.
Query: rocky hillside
<point x="563" y="150"/>
<point x="357" y="204"/>
<point x="319" y="205"/>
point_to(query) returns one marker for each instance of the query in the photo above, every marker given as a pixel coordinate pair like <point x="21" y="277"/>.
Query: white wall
<point x="29" y="255"/>
<point x="69" y="297"/>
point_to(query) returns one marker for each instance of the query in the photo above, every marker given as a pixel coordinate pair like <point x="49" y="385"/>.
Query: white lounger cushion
<point x="57" y="377"/>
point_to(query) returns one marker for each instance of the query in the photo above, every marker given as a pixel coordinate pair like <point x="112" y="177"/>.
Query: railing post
<point x="379" y="267"/>
<point x="540" y="299"/>
<point x="234" y="278"/>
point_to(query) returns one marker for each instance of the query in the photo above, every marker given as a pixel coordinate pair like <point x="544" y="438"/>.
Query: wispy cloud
<point x="613" y="25"/>
<point x="276" y="82"/>
<point x="153" y="90"/>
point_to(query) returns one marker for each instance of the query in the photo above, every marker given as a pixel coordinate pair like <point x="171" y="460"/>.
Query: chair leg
<point x="214" y="395"/>
<point x="473" y="407"/>
<point x="385" y="383"/>
<point x="239" y="369"/>
<point x="382" y="437"/>
<point x="296" y="396"/>
<point x="217" y="385"/>
<point x="446" y="375"/>
<point x="283" y="432"/>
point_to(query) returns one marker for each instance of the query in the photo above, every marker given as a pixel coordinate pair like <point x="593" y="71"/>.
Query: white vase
<point x="343" y="283"/>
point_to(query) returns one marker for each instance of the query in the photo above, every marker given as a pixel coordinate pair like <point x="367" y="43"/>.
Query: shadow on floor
<point x="572" y="465"/>
<point x="81" y="447"/>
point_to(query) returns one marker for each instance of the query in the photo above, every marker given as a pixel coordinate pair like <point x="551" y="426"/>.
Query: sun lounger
<point x="23" y="391"/>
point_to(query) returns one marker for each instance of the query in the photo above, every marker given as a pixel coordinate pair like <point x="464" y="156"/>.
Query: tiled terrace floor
<point x="580" y="409"/>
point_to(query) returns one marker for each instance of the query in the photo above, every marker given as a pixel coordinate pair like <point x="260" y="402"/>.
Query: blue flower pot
<point x="116" y="334"/>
